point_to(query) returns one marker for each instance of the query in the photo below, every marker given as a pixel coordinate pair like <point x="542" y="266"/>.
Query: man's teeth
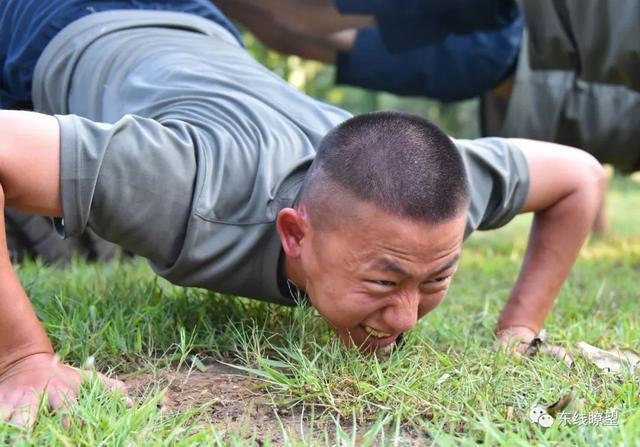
<point x="374" y="333"/>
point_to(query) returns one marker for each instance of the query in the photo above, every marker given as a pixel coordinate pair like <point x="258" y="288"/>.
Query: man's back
<point x="28" y="25"/>
<point x="225" y="143"/>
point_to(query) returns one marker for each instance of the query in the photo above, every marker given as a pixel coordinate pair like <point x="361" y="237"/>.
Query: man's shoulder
<point x="498" y="181"/>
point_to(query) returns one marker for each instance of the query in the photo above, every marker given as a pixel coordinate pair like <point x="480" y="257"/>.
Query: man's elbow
<point x="560" y="173"/>
<point x="592" y="178"/>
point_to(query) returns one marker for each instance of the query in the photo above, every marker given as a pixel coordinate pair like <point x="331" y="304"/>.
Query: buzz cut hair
<point x="399" y="162"/>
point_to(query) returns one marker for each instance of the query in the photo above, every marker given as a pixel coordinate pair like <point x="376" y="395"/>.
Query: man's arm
<point x="566" y="189"/>
<point x="30" y="182"/>
<point x="28" y="167"/>
<point x="295" y="18"/>
<point x="280" y="36"/>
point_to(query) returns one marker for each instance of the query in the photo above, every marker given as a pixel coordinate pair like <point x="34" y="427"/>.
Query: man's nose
<point x="402" y="315"/>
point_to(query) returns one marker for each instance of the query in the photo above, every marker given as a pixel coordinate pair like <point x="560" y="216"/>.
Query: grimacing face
<point x="374" y="278"/>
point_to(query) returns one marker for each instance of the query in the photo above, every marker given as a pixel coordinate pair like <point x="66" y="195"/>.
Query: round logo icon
<point x="545" y="421"/>
<point x="536" y="412"/>
<point x="540" y="416"/>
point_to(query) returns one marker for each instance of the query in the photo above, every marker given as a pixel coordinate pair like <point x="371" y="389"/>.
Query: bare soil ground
<point x="236" y="402"/>
<point x="233" y="401"/>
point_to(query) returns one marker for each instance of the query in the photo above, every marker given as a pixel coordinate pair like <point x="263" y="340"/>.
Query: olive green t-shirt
<point x="178" y="146"/>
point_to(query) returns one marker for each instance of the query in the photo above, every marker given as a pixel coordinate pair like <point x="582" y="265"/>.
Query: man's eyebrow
<point x="453" y="261"/>
<point x="389" y="265"/>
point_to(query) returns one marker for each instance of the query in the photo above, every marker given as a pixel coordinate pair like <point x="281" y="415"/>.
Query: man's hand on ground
<point x="515" y="339"/>
<point x="521" y="340"/>
<point x="41" y="376"/>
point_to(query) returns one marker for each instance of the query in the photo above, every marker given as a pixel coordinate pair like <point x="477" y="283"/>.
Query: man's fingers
<point x="554" y="351"/>
<point x="59" y="401"/>
<point x="46" y="382"/>
<point x="558" y="353"/>
<point x="113" y="385"/>
<point x="513" y="345"/>
<point x="521" y="348"/>
<point x="116" y="386"/>
<point x="25" y="411"/>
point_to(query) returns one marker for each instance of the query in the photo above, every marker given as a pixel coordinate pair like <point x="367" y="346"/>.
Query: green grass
<point x="447" y="384"/>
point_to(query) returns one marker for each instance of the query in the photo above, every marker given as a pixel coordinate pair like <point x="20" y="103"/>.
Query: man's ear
<point x="292" y="226"/>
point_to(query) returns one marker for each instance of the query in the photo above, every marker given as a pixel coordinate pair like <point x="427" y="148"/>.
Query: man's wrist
<point x="12" y="356"/>
<point x="518" y="313"/>
<point x="506" y="327"/>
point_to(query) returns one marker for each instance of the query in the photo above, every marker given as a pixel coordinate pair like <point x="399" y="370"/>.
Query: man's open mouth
<point x="375" y="339"/>
<point x="375" y="333"/>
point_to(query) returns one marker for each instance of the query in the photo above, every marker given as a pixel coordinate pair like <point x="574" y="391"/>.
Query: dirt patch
<point x="233" y="401"/>
<point x="238" y="403"/>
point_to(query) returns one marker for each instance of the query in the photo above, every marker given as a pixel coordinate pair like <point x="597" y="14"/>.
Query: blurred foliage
<point x="317" y="80"/>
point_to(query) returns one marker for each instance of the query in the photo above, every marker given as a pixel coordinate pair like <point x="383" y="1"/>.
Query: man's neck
<point x="294" y="273"/>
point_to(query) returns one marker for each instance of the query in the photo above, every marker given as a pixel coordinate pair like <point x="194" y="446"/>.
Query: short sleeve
<point x="498" y="178"/>
<point x="131" y="181"/>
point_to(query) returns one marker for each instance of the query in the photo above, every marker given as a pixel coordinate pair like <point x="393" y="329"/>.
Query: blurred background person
<point x="447" y="51"/>
<point x="577" y="81"/>
<point x="565" y="71"/>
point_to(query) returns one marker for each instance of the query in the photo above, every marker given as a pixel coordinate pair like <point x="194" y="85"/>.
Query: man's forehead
<point x="394" y="243"/>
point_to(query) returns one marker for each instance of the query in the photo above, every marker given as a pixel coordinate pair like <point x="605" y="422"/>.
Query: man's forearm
<point x="294" y="18"/>
<point x="27" y="140"/>
<point x="21" y="334"/>
<point x="556" y="237"/>
<point x="560" y="227"/>
<point x="20" y="331"/>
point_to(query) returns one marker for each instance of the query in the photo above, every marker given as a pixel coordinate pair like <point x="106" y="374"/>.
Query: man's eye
<point x="438" y="280"/>
<point x="382" y="282"/>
